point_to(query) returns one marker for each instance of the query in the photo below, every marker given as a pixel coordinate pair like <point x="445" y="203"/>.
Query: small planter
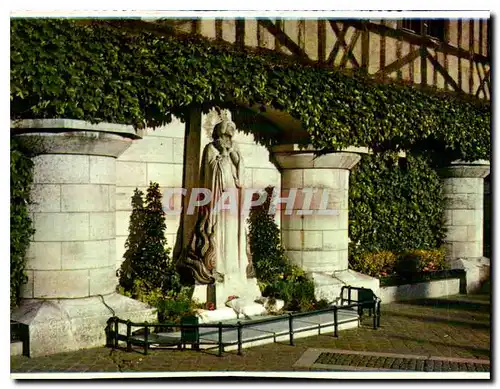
<point x="421" y="285"/>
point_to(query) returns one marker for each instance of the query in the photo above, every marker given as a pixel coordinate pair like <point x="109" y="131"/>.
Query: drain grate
<point x="351" y="360"/>
<point x="400" y="363"/>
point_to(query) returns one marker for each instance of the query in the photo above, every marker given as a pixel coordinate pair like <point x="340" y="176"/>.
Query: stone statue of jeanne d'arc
<point x="217" y="250"/>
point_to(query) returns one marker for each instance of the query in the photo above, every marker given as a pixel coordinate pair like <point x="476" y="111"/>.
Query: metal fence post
<point x="221" y="348"/>
<point x="335" y="322"/>
<point x="146" y="334"/>
<point x="290" y="328"/>
<point x="116" y="332"/>
<point x="129" y="335"/>
<point x="239" y="338"/>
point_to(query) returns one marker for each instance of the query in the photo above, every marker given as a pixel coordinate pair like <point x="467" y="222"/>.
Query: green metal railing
<point x="190" y="331"/>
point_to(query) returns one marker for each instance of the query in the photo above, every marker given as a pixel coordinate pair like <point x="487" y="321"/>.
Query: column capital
<point x="292" y="156"/>
<point x="68" y="136"/>
<point x="458" y="168"/>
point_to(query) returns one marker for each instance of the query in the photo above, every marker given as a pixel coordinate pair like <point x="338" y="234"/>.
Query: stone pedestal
<point x="315" y="229"/>
<point x="463" y="188"/>
<point x="70" y="293"/>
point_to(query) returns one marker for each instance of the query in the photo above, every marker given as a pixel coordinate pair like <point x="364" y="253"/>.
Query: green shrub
<point x="147" y="257"/>
<point x="277" y="277"/>
<point x="268" y="255"/>
<point x="405" y="264"/>
<point x="418" y="261"/>
<point x="21" y="225"/>
<point x="148" y="272"/>
<point x="374" y="264"/>
<point x="395" y="204"/>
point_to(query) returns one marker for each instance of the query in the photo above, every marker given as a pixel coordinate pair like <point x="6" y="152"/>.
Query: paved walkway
<point x="452" y="327"/>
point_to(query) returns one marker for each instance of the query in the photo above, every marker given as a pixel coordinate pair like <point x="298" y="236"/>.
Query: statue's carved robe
<point x="227" y="254"/>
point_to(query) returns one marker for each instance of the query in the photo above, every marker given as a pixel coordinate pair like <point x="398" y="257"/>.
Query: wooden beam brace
<point x="349" y="51"/>
<point x="393" y="66"/>
<point x="443" y="72"/>
<point x="415" y="39"/>
<point x="340" y="34"/>
<point x="284" y="39"/>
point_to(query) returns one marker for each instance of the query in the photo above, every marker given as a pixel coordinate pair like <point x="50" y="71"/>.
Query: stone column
<point x="71" y="262"/>
<point x="316" y="242"/>
<point x="463" y="188"/>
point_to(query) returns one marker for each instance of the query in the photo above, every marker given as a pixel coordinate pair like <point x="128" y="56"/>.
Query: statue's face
<point x="225" y="140"/>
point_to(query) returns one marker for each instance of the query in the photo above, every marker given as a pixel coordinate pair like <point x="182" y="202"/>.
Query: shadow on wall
<point x="487" y="217"/>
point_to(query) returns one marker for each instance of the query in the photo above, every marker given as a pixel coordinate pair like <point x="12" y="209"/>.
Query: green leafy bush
<point x="62" y="68"/>
<point x="148" y="272"/>
<point x="277" y="277"/>
<point x="147" y="257"/>
<point x="418" y="261"/>
<point x="406" y="264"/>
<point x="374" y="264"/>
<point x="395" y="204"/>
<point x="268" y="255"/>
<point x="21" y="225"/>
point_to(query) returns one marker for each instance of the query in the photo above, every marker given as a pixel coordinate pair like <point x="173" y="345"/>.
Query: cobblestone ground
<point x="456" y="326"/>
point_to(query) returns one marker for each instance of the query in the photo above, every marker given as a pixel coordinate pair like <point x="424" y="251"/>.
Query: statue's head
<point x="224" y="129"/>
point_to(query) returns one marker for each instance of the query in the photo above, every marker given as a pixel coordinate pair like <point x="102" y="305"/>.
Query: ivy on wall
<point x="21" y="225"/>
<point x="60" y="68"/>
<point x="395" y="204"/>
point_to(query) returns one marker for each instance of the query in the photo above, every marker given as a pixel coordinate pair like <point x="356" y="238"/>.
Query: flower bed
<point x="421" y="285"/>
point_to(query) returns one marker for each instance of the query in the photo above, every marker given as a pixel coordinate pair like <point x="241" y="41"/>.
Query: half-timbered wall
<point x="461" y="62"/>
